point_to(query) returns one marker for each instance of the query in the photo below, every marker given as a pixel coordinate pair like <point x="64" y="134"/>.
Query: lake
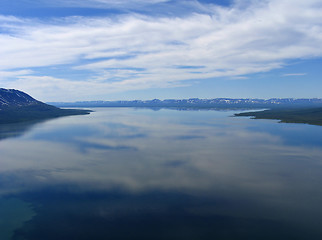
<point x="126" y="173"/>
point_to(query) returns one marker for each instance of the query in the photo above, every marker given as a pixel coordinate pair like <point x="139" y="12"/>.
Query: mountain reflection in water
<point x="16" y="129"/>
<point x="142" y="174"/>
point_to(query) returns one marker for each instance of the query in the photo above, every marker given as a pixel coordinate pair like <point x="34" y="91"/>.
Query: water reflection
<point x="141" y="174"/>
<point x="14" y="213"/>
<point x="16" y="129"/>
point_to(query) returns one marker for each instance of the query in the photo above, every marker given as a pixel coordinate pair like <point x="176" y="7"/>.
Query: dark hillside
<point x="306" y="115"/>
<point x="17" y="106"/>
<point x="12" y="97"/>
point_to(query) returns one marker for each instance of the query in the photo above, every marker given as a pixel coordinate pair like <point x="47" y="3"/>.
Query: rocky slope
<point x="12" y="97"/>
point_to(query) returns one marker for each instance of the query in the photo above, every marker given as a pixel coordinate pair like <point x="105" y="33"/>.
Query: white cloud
<point x="50" y="89"/>
<point x="143" y="51"/>
<point x="126" y="4"/>
<point x="294" y="74"/>
<point x="8" y="74"/>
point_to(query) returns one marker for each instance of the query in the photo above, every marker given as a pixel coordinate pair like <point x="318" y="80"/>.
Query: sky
<point x="83" y="50"/>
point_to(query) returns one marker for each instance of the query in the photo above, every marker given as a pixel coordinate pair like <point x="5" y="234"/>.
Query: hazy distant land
<point x="227" y="103"/>
<point x="285" y="109"/>
<point x="17" y="106"/>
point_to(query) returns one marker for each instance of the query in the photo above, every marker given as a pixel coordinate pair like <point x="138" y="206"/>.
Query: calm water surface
<point x="167" y="174"/>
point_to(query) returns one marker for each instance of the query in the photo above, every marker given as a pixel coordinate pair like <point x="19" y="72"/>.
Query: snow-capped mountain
<point x="17" y="106"/>
<point x="12" y="97"/>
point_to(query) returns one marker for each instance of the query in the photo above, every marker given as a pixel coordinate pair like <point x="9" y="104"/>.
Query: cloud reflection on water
<point x="138" y="151"/>
<point x="143" y="159"/>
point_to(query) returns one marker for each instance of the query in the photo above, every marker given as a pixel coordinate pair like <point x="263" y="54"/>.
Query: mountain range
<point x="201" y="103"/>
<point x="17" y="106"/>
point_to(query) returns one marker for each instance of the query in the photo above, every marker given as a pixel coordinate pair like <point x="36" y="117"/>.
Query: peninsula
<point x="311" y="116"/>
<point x="17" y="106"/>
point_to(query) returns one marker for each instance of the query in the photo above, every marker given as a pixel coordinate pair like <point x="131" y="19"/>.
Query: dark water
<point x="143" y="174"/>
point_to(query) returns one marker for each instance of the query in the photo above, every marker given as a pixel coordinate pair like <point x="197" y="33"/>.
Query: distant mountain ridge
<point x="17" y="106"/>
<point x="201" y="103"/>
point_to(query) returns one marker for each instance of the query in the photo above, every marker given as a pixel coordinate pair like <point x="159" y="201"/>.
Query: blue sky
<point x="72" y="50"/>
